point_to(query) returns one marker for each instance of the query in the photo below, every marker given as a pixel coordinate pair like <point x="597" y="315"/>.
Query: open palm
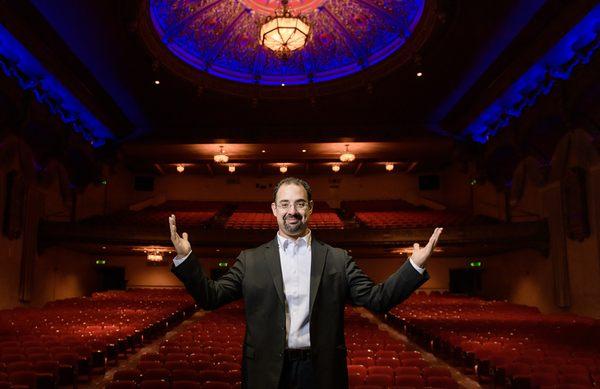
<point x="181" y="243"/>
<point x="421" y="254"/>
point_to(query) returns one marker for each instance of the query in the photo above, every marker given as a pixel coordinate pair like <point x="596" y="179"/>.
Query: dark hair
<point x="295" y="181"/>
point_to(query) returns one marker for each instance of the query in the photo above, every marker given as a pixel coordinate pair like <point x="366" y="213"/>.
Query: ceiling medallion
<point x="285" y="32"/>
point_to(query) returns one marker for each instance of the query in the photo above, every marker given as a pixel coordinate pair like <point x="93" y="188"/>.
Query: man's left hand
<point x="420" y="255"/>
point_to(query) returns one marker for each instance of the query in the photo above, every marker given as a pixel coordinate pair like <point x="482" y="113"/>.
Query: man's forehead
<point x="292" y="192"/>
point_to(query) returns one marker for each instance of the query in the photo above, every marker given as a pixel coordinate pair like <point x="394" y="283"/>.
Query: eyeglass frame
<point x="297" y="204"/>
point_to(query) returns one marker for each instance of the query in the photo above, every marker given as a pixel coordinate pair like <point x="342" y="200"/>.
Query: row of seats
<point x="266" y="220"/>
<point x="376" y="359"/>
<point x="67" y="341"/>
<point x="207" y="353"/>
<point x="257" y="215"/>
<point x="508" y="343"/>
<point x="415" y="219"/>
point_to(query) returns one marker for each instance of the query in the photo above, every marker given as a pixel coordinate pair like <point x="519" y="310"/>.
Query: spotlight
<point x="156" y="82"/>
<point x="419" y="74"/>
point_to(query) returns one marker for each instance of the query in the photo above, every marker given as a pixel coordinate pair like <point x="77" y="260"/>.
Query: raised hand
<point x="420" y="255"/>
<point x="181" y="243"/>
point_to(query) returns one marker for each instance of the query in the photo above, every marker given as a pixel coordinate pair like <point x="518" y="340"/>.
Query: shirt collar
<point x="284" y="242"/>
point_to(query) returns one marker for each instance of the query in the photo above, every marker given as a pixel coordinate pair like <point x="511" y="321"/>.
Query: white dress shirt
<point x="295" y="258"/>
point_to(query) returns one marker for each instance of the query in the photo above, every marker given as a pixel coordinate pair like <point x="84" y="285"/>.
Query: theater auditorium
<point x="478" y="117"/>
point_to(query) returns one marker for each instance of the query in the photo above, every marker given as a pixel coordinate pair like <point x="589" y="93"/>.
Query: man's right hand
<point x="181" y="243"/>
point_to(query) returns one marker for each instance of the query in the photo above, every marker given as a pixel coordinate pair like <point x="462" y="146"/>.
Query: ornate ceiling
<point x="221" y="37"/>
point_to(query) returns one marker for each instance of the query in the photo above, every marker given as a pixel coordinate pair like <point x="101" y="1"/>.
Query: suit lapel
<point x="274" y="264"/>
<point x="318" y="254"/>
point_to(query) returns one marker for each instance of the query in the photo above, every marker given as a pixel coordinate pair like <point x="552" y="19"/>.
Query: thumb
<point x="415" y="247"/>
<point x="184" y="236"/>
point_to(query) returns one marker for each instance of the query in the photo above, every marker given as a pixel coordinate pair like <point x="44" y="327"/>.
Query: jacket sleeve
<point x="210" y="294"/>
<point x="382" y="297"/>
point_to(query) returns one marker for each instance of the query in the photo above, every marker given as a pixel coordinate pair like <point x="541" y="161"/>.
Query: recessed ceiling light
<point x="103" y="247"/>
<point x="283" y="84"/>
<point x="156" y="82"/>
<point x="304" y="150"/>
<point x="263" y="151"/>
<point x="419" y="74"/>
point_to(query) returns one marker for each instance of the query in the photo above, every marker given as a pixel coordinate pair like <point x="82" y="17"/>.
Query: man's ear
<point x="274" y="209"/>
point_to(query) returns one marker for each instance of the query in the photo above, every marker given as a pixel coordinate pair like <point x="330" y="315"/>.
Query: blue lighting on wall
<point x="576" y="47"/>
<point x="18" y="63"/>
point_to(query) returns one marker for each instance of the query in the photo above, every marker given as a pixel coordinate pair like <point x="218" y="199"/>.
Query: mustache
<point x="293" y="217"/>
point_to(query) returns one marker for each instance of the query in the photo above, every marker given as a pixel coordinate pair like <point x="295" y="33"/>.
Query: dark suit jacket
<point x="256" y="276"/>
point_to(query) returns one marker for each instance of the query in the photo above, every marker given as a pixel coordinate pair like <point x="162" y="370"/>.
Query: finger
<point x="184" y="236"/>
<point x="416" y="247"/>
<point x="173" y="227"/>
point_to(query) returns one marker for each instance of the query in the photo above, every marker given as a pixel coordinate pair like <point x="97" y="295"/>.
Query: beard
<point x="300" y="225"/>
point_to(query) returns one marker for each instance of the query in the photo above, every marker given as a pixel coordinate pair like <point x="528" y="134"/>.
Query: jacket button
<point x="281" y="354"/>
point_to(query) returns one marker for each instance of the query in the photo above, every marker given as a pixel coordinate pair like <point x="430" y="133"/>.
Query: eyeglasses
<point x="299" y="205"/>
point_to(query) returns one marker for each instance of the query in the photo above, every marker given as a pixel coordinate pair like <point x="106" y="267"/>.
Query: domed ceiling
<point x="221" y="37"/>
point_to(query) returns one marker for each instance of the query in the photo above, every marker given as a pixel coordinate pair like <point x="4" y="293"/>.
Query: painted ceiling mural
<point x="221" y="37"/>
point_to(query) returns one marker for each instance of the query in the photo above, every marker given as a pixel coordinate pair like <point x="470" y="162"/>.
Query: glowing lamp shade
<point x="221" y="157"/>
<point x="389" y="167"/>
<point x="283" y="169"/>
<point x="231" y="168"/>
<point x="335" y="168"/>
<point x="154" y="257"/>
<point x="284" y="34"/>
<point x="180" y="168"/>
<point x="347" y="156"/>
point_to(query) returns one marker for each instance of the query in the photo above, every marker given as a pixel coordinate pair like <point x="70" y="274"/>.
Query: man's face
<point x="292" y="210"/>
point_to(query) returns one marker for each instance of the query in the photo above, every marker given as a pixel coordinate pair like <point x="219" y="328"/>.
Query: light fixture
<point x="419" y="74"/>
<point x="231" y="168"/>
<point x="263" y="151"/>
<point x="335" y="168"/>
<point x="347" y="156"/>
<point x="180" y="168"/>
<point x="156" y="82"/>
<point x="154" y="257"/>
<point x="284" y="32"/>
<point x="283" y="168"/>
<point x="389" y="167"/>
<point x="304" y="150"/>
<point x="221" y="157"/>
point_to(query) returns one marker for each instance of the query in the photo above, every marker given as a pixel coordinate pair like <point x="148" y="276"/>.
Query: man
<point x="294" y="289"/>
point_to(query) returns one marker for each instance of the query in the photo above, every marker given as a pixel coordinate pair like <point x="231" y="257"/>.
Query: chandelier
<point x="284" y="33"/>
<point x="347" y="156"/>
<point x="221" y="157"/>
